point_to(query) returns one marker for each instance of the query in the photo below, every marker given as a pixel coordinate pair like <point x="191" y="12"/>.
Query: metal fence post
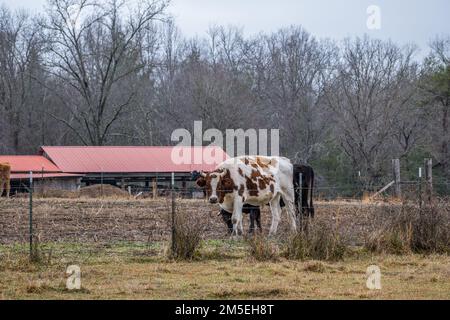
<point x="173" y="214"/>
<point x="429" y="178"/>
<point x="301" y="217"/>
<point x="420" y="187"/>
<point x="31" y="215"/>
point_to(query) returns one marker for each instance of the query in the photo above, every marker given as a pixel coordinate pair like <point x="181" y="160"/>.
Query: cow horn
<point x="203" y="174"/>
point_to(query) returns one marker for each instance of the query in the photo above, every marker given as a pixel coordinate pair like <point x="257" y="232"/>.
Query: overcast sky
<point x="403" y="21"/>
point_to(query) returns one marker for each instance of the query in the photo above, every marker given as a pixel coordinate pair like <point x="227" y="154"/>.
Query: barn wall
<point x="70" y="184"/>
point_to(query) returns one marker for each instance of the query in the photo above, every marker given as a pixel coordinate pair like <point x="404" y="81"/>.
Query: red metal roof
<point x="37" y="175"/>
<point x="29" y="163"/>
<point x="130" y="159"/>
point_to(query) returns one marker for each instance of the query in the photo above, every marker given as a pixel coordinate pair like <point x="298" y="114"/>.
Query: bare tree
<point x="435" y="87"/>
<point x="366" y="97"/>
<point x="20" y="99"/>
<point x="289" y="82"/>
<point x="94" y="54"/>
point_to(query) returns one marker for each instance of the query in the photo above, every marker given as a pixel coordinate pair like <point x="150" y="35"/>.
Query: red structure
<point x="45" y="173"/>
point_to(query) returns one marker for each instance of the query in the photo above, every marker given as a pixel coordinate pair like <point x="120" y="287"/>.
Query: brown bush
<point x="188" y="237"/>
<point x="317" y="241"/>
<point x="412" y="229"/>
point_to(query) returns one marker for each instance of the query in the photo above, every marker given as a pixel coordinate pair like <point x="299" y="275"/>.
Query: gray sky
<point x="403" y="21"/>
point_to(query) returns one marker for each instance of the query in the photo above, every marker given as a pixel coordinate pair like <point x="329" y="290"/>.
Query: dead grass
<point x="262" y="249"/>
<point x="119" y="245"/>
<point x="96" y="191"/>
<point x="318" y="240"/>
<point x="114" y="273"/>
<point x="411" y="228"/>
<point x="187" y="237"/>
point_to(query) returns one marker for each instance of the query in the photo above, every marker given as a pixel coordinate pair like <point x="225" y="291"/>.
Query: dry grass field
<point x="121" y="219"/>
<point x="120" y="246"/>
<point x="223" y="270"/>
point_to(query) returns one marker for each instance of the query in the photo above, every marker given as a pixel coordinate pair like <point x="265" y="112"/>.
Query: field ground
<point x="223" y="270"/>
<point x="120" y="243"/>
<point x="111" y="220"/>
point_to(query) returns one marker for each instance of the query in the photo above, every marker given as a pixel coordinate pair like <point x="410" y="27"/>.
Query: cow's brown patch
<point x="241" y="172"/>
<point x="241" y="190"/>
<point x="262" y="183"/>
<point x="201" y="182"/>
<point x="263" y="163"/>
<point x="225" y="185"/>
<point x="255" y="175"/>
<point x="272" y="188"/>
<point x="245" y="160"/>
<point x="252" y="187"/>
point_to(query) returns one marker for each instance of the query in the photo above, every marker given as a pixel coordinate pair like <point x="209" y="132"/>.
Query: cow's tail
<point x="297" y="188"/>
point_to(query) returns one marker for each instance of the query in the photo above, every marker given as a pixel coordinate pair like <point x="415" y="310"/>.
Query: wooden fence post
<point x="396" y="174"/>
<point x="428" y="164"/>
<point x="154" y="188"/>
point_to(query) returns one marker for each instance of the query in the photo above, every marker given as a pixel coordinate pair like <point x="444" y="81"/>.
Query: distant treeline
<point x="105" y="73"/>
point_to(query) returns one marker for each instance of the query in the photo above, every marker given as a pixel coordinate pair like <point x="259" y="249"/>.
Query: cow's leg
<point x="8" y="188"/>
<point x="252" y="215"/>
<point x="1" y="187"/>
<point x="226" y="217"/>
<point x="289" y="199"/>
<point x="236" y="218"/>
<point x="258" y="219"/>
<point x="276" y="214"/>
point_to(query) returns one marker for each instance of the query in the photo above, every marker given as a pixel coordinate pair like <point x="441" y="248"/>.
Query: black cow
<point x="253" y="211"/>
<point x="307" y="175"/>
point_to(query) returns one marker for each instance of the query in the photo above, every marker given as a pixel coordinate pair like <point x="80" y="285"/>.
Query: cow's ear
<point x="201" y="182"/>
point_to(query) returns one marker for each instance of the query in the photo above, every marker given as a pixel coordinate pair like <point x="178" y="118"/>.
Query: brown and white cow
<point x="5" y="176"/>
<point x="254" y="180"/>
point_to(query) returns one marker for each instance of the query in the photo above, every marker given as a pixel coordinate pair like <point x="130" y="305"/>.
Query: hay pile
<point x="105" y="190"/>
<point x="94" y="191"/>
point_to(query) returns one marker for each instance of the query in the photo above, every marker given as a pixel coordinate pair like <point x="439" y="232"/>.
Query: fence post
<point x="396" y="174"/>
<point x="299" y="202"/>
<point x="429" y="177"/>
<point x="420" y="187"/>
<point x="31" y="215"/>
<point x="154" y="188"/>
<point x="173" y="214"/>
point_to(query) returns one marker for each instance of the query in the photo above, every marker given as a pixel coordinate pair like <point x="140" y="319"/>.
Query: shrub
<point x="188" y="237"/>
<point x="262" y="249"/>
<point x="413" y="229"/>
<point x="317" y="241"/>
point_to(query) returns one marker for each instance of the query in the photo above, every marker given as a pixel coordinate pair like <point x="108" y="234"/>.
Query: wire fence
<point x="138" y="220"/>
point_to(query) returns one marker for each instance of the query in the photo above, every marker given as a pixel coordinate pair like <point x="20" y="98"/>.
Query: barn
<point x="132" y="168"/>
<point x="46" y="175"/>
<point x="146" y="169"/>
